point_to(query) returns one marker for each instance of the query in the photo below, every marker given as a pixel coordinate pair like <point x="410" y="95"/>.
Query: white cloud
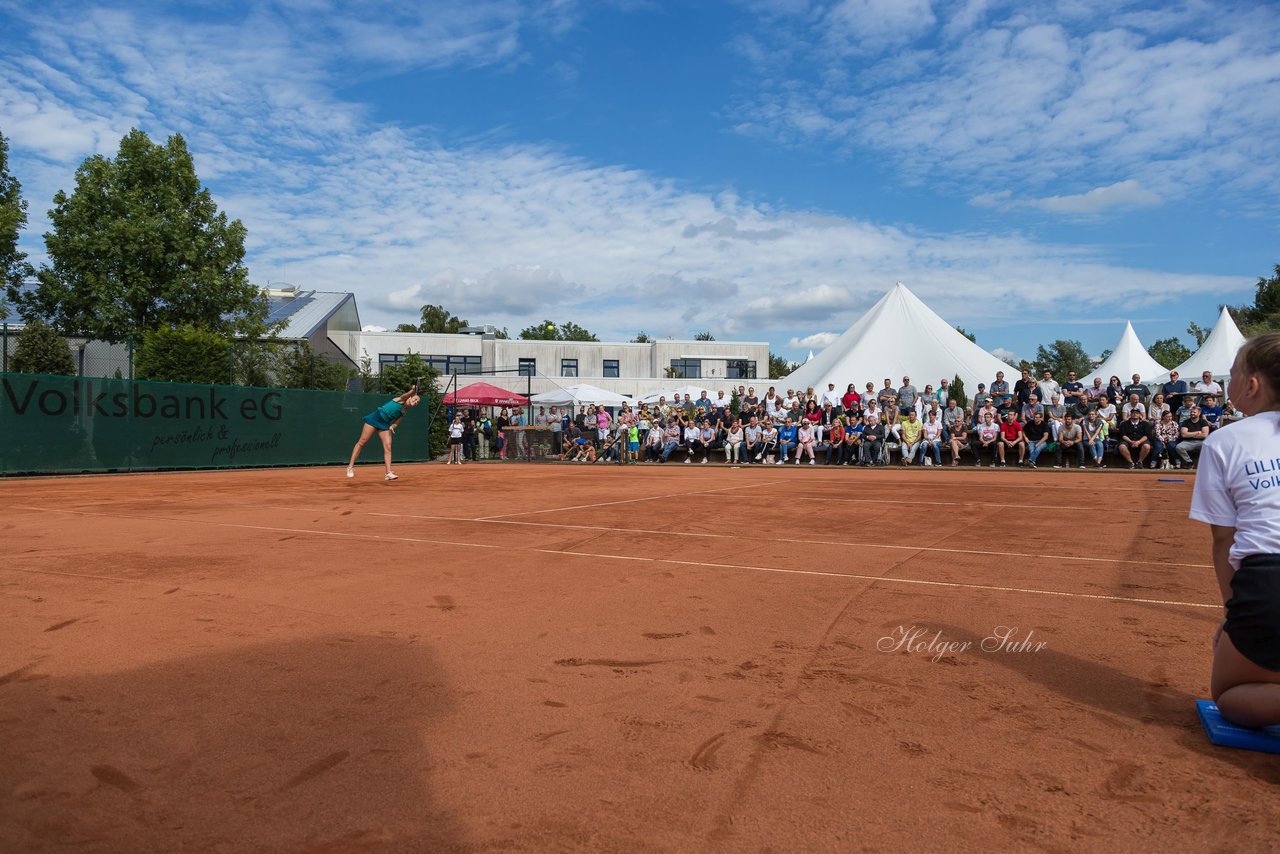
<point x="816" y="341"/>
<point x="1027" y="95"/>
<point x="1123" y="194"/>
<point x="1007" y="356"/>
<point x="502" y="234"/>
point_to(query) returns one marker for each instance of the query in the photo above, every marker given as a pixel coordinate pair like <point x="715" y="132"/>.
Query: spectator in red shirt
<point x="1011" y="437"/>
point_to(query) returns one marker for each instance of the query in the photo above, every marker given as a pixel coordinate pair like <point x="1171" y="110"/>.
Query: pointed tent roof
<point x="1216" y="354"/>
<point x="899" y="336"/>
<point x="1128" y="358"/>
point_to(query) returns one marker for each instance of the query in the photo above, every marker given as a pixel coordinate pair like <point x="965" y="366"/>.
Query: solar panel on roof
<point x="282" y="308"/>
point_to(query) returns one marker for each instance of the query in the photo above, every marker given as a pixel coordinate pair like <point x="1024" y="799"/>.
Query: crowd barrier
<point x="56" y="424"/>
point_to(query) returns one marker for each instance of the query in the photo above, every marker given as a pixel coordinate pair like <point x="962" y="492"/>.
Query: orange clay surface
<point x="565" y="657"/>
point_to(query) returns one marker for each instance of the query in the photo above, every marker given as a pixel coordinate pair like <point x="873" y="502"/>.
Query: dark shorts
<point x="1253" y="611"/>
<point x="455" y="440"/>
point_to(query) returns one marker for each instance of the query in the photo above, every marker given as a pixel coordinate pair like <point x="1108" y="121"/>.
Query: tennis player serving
<point x="383" y="421"/>
<point x="1237" y="492"/>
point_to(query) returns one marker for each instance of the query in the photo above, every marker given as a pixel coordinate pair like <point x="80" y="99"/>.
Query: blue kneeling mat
<point x="1224" y="733"/>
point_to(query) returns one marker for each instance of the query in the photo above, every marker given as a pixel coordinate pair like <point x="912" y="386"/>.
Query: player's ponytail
<point x="1260" y="356"/>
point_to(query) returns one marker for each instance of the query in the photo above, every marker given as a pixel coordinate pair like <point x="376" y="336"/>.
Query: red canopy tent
<point x="483" y="394"/>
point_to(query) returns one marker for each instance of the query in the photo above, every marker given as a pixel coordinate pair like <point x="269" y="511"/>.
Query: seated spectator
<point x="1210" y="411"/>
<point x="671" y="439"/>
<point x="1070" y="440"/>
<point x="770" y="442"/>
<point x="873" y="442"/>
<point x="733" y="442"/>
<point x="851" y="448"/>
<point x="1011" y="439"/>
<point x="988" y="408"/>
<point x="1115" y="392"/>
<point x="1229" y="413"/>
<point x="1157" y="408"/>
<point x="710" y="439"/>
<point x="1191" y="436"/>
<point x="752" y="442"/>
<point x="1095" y="436"/>
<point x="835" y="441"/>
<point x="892" y="433"/>
<point x="931" y="438"/>
<point x="912" y="430"/>
<point x="958" y="438"/>
<point x="1107" y="412"/>
<point x="653" y="442"/>
<point x="980" y="399"/>
<point x="951" y="413"/>
<point x="608" y="450"/>
<point x="1032" y="407"/>
<point x="788" y="436"/>
<point x="1168" y="433"/>
<point x="870" y="408"/>
<point x="1133" y="403"/>
<point x="1135" y="436"/>
<point x="987" y="440"/>
<point x="1055" y="414"/>
<point x="692" y="440"/>
<point x="1035" y="436"/>
<point x="805" y="441"/>
<point x="1095" y="393"/>
<point x="934" y="409"/>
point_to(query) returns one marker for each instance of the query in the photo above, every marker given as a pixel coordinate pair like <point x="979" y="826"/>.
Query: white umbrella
<point x="578" y="395"/>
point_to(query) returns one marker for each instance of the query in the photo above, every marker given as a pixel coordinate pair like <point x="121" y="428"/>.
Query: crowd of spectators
<point x="1133" y="424"/>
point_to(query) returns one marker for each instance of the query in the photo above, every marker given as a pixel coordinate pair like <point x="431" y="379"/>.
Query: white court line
<point x="980" y="504"/>
<point x="627" y="501"/>
<point x="641" y="558"/>
<point x="796" y="541"/>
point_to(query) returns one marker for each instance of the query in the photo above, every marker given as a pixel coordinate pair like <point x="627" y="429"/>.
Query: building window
<point x="568" y="367"/>
<point x="444" y="364"/>
<point x="528" y="367"/>
<point x="740" y="369"/>
<point x="611" y="368"/>
<point x="686" y="369"/>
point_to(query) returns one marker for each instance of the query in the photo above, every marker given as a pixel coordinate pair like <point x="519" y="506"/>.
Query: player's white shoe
<point x="390" y="476"/>
<point x="351" y="472"/>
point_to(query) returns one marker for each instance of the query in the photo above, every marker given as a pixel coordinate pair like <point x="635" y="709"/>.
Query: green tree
<point x="184" y="354"/>
<point x="303" y="367"/>
<point x="642" y="338"/>
<point x="139" y="246"/>
<point x="1062" y="356"/>
<point x="1197" y="332"/>
<point x="548" y="331"/>
<point x="398" y="378"/>
<point x="13" y="217"/>
<point x="41" y="350"/>
<point x="435" y="318"/>
<point x="967" y="334"/>
<point x="1264" y="314"/>
<point x="704" y="336"/>
<point x="956" y="390"/>
<point x="779" y="367"/>
<point x="1169" y="352"/>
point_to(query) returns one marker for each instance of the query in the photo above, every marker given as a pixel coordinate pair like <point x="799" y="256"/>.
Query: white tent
<point x="1128" y="358"/>
<point x="576" y="395"/>
<point x="1216" y="354"/>
<point x="899" y="336"/>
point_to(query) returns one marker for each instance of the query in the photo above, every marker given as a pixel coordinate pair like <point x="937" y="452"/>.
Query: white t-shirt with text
<point x="1238" y="484"/>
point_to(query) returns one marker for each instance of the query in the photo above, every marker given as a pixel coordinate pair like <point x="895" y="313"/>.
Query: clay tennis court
<point x="585" y="657"/>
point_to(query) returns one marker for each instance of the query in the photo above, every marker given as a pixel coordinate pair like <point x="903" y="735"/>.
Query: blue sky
<point x="763" y="170"/>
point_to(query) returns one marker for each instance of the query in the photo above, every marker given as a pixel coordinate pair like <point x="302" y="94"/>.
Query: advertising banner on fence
<point x="83" y="424"/>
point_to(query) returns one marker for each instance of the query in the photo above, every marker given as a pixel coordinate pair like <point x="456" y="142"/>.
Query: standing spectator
<point x="1070" y="441"/>
<point x="1000" y="393"/>
<point x="944" y="392"/>
<point x="1023" y="388"/>
<point x="1073" y="395"/>
<point x="1173" y="390"/>
<point x="1208" y="385"/>
<point x="1115" y="391"/>
<point x="851" y="401"/>
<point x="833" y="398"/>
<point x="980" y="399"/>
<point x="906" y="396"/>
<point x="1137" y="387"/>
<point x="1135" y="439"/>
<point x="1048" y="387"/>
<point x="887" y="394"/>
<point x="1095" y="393"/>
<point x="556" y="426"/>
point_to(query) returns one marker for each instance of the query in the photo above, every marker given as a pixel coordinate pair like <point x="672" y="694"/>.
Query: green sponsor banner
<point x="82" y="424"/>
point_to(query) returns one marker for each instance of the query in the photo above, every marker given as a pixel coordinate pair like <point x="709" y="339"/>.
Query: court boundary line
<point x="788" y="540"/>
<point x="500" y="516"/>
<point x="641" y="559"/>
